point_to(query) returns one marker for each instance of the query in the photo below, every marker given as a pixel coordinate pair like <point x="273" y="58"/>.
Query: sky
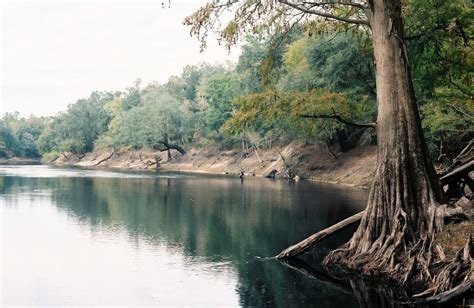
<point x="56" y="52"/>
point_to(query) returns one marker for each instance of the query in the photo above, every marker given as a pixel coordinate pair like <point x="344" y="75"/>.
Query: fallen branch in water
<point x="448" y="295"/>
<point x="305" y="244"/>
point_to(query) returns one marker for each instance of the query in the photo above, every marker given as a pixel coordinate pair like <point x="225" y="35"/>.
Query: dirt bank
<point x="355" y="167"/>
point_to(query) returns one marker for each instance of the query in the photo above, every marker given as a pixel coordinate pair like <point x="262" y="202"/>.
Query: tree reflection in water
<point x="217" y="220"/>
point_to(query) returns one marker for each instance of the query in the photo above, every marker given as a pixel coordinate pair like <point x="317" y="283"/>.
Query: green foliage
<point x="18" y="135"/>
<point x="448" y="126"/>
<point x="157" y="119"/>
<point x="285" y="70"/>
<point x="305" y="78"/>
<point x="46" y="142"/>
<point x="219" y="91"/>
<point x="334" y="61"/>
<point x="439" y="36"/>
<point x="132" y="97"/>
<point x="50" y="157"/>
<point x="249" y="69"/>
<point x="281" y="112"/>
<point x="78" y="129"/>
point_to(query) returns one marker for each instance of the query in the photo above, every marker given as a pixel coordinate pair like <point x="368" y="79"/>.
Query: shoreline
<point x="354" y="168"/>
<point x="20" y="161"/>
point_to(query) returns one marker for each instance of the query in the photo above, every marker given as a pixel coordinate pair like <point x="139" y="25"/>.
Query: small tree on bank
<point x="404" y="211"/>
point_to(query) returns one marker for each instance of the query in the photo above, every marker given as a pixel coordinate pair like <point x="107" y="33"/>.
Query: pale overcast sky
<point x="56" y="52"/>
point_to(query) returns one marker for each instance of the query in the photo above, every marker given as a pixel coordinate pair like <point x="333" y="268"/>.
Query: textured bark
<point x="402" y="215"/>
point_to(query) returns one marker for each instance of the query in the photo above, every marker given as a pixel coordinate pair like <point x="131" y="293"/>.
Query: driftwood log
<point x="104" y="159"/>
<point x="304" y="245"/>
<point x="457" y="178"/>
<point x="458" y="172"/>
<point x="449" y="295"/>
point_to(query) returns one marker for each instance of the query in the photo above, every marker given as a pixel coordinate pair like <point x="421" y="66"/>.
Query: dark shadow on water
<point x="369" y="294"/>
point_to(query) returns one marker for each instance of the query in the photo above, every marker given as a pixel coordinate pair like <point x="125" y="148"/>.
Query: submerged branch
<point x="310" y="272"/>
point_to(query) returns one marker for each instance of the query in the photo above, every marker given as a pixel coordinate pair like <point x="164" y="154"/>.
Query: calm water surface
<point x="98" y="237"/>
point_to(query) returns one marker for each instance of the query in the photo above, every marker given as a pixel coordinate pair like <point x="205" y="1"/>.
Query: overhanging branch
<point x="169" y="146"/>
<point x="340" y="119"/>
<point x="324" y="14"/>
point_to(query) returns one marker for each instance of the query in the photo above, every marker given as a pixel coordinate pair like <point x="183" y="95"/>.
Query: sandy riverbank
<point x="355" y="167"/>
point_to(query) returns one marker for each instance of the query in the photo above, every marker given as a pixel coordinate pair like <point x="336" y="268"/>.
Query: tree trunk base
<point x="419" y="267"/>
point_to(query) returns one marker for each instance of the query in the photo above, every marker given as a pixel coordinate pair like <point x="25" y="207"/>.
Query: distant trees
<point x="190" y="108"/>
<point x="18" y="135"/>
<point x="219" y="91"/>
<point x="157" y="119"/>
<point x="78" y="128"/>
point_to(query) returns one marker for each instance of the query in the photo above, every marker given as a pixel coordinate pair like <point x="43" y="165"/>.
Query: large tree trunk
<point x="395" y="234"/>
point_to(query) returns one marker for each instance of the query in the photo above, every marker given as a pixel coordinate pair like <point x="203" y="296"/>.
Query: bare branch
<point x="340" y="119"/>
<point x="341" y="2"/>
<point x="460" y="111"/>
<point x="169" y="146"/>
<point x="324" y="14"/>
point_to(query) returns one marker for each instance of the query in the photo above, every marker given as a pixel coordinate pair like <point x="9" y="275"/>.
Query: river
<point x="104" y="237"/>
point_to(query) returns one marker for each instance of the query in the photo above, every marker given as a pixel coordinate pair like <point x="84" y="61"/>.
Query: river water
<point x="104" y="237"/>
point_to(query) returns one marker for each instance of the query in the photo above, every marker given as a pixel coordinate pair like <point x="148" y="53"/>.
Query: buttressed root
<point x="423" y="265"/>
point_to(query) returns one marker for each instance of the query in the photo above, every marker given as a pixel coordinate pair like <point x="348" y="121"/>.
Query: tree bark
<point x="400" y="220"/>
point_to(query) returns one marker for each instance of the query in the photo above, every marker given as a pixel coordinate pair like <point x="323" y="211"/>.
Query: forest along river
<point x="105" y="237"/>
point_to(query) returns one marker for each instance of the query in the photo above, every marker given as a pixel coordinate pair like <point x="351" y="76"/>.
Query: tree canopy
<point x="285" y="71"/>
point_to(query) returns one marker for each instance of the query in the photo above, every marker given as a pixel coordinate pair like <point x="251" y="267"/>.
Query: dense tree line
<point x="262" y="99"/>
<point x="19" y="136"/>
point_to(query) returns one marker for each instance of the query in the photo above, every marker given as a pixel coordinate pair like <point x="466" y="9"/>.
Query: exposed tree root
<point x="419" y="265"/>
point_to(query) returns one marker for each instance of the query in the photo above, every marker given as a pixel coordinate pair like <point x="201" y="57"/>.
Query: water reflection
<point x="166" y="239"/>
